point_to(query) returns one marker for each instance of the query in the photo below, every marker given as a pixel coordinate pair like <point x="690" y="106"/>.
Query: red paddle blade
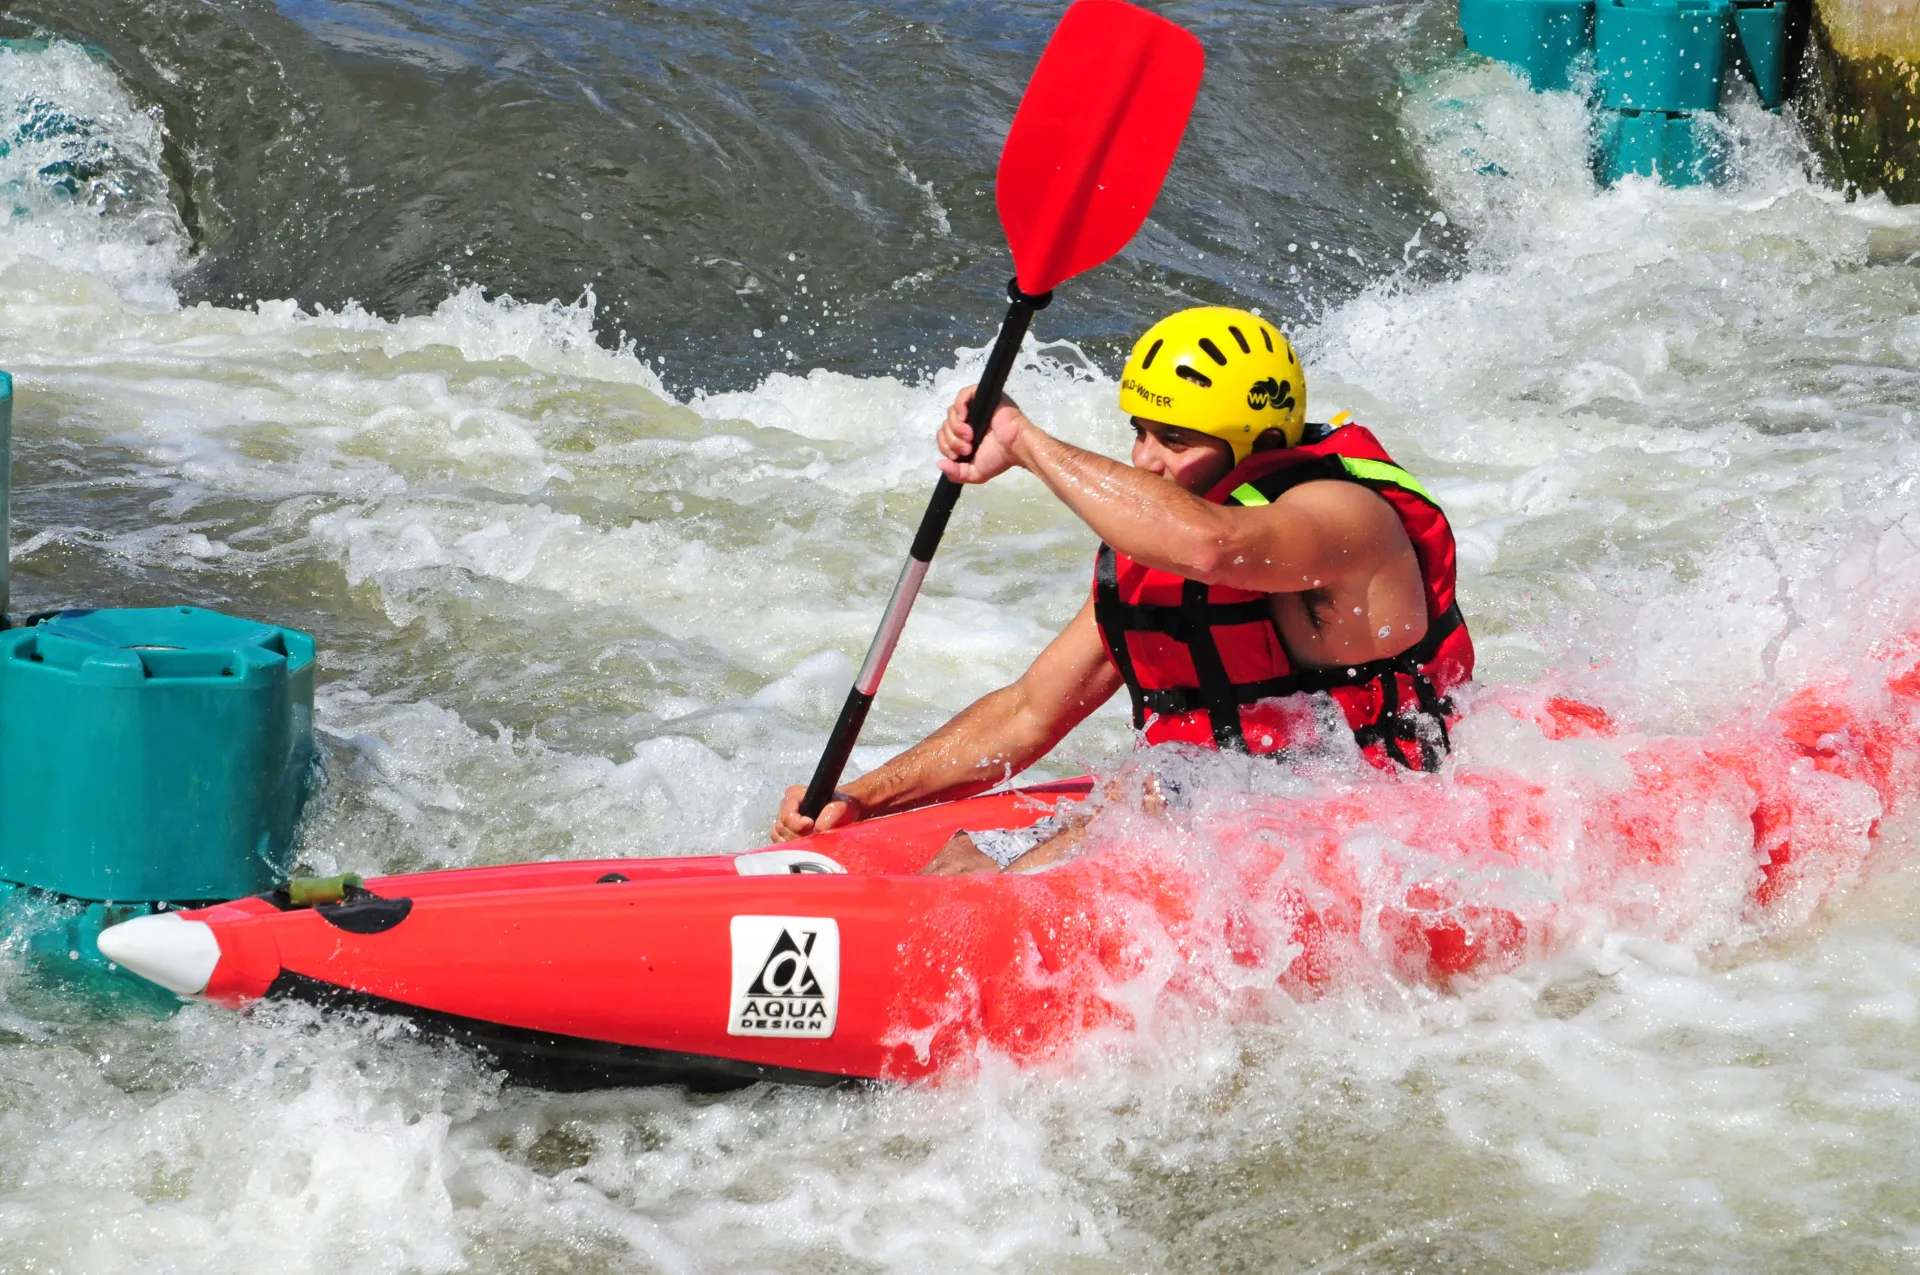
<point x="1093" y="138"/>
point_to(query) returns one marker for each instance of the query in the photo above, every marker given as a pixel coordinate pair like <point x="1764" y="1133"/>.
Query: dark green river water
<point x="692" y="162"/>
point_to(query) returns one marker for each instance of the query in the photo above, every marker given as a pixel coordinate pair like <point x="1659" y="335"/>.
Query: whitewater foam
<point x="80" y="167"/>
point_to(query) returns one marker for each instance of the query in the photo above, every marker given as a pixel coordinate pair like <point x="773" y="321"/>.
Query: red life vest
<point x="1204" y="663"/>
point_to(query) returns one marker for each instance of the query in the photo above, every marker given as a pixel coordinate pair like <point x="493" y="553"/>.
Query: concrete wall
<point x="1864" y="107"/>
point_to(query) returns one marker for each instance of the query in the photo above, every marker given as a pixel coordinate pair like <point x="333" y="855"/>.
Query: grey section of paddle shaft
<point x="905" y="590"/>
<point x="933" y="525"/>
<point x="6" y="493"/>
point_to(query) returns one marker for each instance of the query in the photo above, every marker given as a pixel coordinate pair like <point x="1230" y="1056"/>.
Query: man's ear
<point x="1270" y="440"/>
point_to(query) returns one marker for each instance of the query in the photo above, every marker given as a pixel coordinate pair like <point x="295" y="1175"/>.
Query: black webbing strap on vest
<point x="1116" y="619"/>
<point x="1393" y="728"/>
<point x="1192" y="624"/>
<point x="1173" y="621"/>
<point x="1217" y="690"/>
<point x="1187" y="699"/>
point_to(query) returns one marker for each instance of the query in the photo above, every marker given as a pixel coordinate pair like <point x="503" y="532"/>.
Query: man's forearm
<point x="982" y="746"/>
<point x="1140" y="514"/>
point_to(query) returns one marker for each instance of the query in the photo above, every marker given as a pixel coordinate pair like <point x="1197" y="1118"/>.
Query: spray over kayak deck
<point x="824" y="960"/>
<point x="827" y="959"/>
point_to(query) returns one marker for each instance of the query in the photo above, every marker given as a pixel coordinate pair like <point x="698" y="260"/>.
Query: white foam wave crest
<point x="80" y="169"/>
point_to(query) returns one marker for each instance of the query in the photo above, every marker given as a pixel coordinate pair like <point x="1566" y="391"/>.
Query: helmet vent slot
<point x="1195" y="375"/>
<point x="1213" y="351"/>
<point x="1148" y="361"/>
<point x="1268" y="338"/>
<point x="1241" y="338"/>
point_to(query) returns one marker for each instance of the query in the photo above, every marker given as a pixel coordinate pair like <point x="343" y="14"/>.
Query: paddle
<point x="1089" y="147"/>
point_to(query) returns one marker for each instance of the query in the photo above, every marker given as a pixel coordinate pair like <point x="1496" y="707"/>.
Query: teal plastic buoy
<point x="1660" y="66"/>
<point x="1762" y="28"/>
<point x="6" y="490"/>
<point x="152" y="755"/>
<point x="59" y="939"/>
<point x="147" y="757"/>
<point x="1661" y="55"/>
<point x="1543" y="39"/>
<point x="1681" y="150"/>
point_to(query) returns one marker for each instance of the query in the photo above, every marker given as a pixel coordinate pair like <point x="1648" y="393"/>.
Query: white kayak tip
<point x="164" y="948"/>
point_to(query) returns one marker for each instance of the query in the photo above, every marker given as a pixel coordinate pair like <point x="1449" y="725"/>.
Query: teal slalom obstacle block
<point x="1681" y="150"/>
<point x="1761" y="26"/>
<point x="1540" y="38"/>
<point x="6" y="485"/>
<point x="152" y="755"/>
<point x="1661" y="55"/>
<point x="61" y="937"/>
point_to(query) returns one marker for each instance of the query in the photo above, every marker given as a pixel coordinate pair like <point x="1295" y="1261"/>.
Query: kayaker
<point x="1247" y="557"/>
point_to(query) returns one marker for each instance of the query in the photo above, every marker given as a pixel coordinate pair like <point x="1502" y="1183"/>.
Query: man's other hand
<point x="791" y="823"/>
<point x="958" y="858"/>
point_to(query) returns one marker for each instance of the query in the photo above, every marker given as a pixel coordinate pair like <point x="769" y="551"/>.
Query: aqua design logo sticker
<point x="786" y="976"/>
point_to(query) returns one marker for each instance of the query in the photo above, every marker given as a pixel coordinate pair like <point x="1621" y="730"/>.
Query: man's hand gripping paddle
<point x="1083" y="163"/>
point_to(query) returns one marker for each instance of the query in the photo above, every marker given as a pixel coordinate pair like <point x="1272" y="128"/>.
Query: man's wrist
<point x="862" y="803"/>
<point x="1024" y="450"/>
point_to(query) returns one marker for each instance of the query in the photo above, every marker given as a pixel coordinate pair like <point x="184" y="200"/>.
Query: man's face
<point x="1191" y="460"/>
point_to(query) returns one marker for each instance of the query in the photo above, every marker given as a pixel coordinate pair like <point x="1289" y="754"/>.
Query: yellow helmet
<point x="1220" y="371"/>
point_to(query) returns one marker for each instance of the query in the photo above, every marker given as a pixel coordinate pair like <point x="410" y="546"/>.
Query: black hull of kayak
<point x="565" y="1064"/>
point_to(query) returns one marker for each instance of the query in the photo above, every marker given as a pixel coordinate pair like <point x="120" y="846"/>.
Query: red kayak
<point x="818" y="961"/>
<point x="827" y="959"/>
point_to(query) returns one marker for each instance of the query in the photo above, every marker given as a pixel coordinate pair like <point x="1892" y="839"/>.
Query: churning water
<point x="570" y="370"/>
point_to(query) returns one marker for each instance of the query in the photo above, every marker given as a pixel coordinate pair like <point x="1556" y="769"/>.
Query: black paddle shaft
<point x="933" y="525"/>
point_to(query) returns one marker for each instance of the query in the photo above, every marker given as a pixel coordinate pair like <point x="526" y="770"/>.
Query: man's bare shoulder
<point x="1338" y="503"/>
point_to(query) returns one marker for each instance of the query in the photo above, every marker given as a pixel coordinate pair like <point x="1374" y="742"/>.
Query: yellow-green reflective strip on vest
<point x="1248" y="494"/>
<point x="1381" y="472"/>
<point x="1370" y="470"/>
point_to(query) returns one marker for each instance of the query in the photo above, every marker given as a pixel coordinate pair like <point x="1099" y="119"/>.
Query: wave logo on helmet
<point x="1272" y="393"/>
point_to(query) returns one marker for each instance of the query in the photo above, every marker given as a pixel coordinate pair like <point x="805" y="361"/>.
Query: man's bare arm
<point x="1318" y="535"/>
<point x="1321" y="533"/>
<point x="998" y="735"/>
